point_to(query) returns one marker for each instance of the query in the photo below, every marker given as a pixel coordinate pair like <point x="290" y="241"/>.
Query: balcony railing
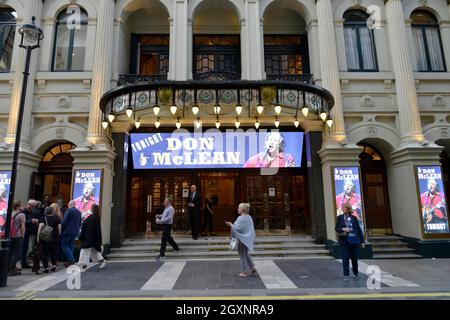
<point x="305" y="78"/>
<point x="217" y="76"/>
<point x="133" y="78"/>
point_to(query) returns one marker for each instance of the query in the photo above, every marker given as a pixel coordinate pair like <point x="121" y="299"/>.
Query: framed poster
<point x="5" y="182"/>
<point x="347" y="190"/>
<point x="432" y="204"/>
<point x="87" y="188"/>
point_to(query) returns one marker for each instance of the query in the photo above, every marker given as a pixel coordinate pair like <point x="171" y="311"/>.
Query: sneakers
<point x="82" y="267"/>
<point x="355" y="277"/>
<point x="346" y="278"/>
<point x="102" y="264"/>
<point x="176" y="251"/>
<point x="160" y="258"/>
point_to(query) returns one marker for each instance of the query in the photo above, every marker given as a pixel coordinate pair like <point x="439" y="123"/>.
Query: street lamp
<point x="31" y="39"/>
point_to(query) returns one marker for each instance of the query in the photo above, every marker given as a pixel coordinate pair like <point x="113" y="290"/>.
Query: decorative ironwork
<point x="201" y="94"/>
<point x="133" y="78"/>
<point x="305" y="78"/>
<point x="217" y="76"/>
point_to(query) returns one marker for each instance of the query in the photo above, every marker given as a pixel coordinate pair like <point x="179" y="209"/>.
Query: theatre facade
<point x="296" y="107"/>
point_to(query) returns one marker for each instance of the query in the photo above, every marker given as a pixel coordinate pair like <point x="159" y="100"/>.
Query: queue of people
<point x="40" y="231"/>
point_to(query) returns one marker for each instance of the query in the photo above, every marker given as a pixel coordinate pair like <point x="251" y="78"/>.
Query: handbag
<point x="234" y="242"/>
<point x="46" y="233"/>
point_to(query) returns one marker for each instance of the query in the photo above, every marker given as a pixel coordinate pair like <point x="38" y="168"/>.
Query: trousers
<point x="89" y="253"/>
<point x="246" y="261"/>
<point x="349" y="252"/>
<point x="167" y="238"/>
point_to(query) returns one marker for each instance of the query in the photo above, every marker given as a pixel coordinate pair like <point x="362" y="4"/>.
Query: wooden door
<point x="376" y="195"/>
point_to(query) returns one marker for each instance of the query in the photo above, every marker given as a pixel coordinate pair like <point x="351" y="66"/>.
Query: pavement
<point x="284" y="279"/>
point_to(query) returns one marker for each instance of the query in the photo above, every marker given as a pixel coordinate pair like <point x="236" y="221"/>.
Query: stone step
<point x="397" y="256"/>
<point x="231" y="254"/>
<point x="386" y="250"/>
<point x="217" y="240"/>
<point x="214" y="247"/>
<point x="389" y="244"/>
<point x="384" y="238"/>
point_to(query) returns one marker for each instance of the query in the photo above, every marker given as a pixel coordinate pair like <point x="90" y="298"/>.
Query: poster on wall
<point x="86" y="188"/>
<point x="5" y="181"/>
<point x="215" y="149"/>
<point x="347" y="190"/>
<point x="432" y="200"/>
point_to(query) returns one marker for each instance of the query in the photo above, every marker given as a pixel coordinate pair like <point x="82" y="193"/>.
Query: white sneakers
<point x="102" y="264"/>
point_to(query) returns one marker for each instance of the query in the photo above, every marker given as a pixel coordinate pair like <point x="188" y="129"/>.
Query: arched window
<point x="427" y="40"/>
<point x="7" y="31"/>
<point x="70" y="40"/>
<point x="359" y="42"/>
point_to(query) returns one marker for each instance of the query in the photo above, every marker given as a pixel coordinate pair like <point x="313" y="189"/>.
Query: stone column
<point x="253" y="41"/>
<point x="329" y="66"/>
<point x="101" y="74"/>
<point x="28" y="161"/>
<point x="408" y="109"/>
<point x="179" y="39"/>
<point x="32" y="8"/>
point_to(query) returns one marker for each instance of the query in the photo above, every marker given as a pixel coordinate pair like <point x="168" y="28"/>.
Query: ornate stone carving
<point x="439" y="102"/>
<point x="368" y="102"/>
<point x="60" y="133"/>
<point x="444" y="132"/>
<point x="372" y="131"/>
<point x="64" y="101"/>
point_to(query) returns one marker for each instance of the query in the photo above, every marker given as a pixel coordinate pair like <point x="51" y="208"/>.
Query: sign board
<point x="215" y="149"/>
<point x="5" y="182"/>
<point x="87" y="188"/>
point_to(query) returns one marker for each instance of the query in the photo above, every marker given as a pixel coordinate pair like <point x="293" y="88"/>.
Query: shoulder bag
<point x="46" y="233"/>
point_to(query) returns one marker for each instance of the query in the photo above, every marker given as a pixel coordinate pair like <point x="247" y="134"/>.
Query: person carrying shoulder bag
<point x="47" y="237"/>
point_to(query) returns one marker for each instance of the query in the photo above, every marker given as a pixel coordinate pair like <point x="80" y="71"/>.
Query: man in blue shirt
<point x="70" y="227"/>
<point x="166" y="220"/>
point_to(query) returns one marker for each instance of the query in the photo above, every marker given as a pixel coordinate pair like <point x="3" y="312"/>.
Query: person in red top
<point x="433" y="203"/>
<point x="85" y="202"/>
<point x="274" y="156"/>
<point x="350" y="197"/>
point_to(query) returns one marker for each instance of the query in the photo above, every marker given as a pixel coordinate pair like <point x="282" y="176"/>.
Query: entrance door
<point x="278" y="202"/>
<point x="375" y="191"/>
<point x="147" y="196"/>
<point x="220" y="189"/>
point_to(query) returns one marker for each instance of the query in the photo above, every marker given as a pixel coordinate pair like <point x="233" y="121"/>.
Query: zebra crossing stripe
<point x="272" y="276"/>
<point x="166" y="276"/>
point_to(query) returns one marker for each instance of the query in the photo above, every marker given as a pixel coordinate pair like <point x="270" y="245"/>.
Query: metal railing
<point x="133" y="78"/>
<point x="305" y="78"/>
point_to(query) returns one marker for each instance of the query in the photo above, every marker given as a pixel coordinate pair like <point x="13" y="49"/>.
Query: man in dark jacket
<point x="31" y="224"/>
<point x="194" y="203"/>
<point x="350" y="237"/>
<point x="70" y="227"/>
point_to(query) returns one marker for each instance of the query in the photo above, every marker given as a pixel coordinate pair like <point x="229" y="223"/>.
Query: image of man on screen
<point x="87" y="199"/>
<point x="274" y="156"/>
<point x="433" y="204"/>
<point x="350" y="197"/>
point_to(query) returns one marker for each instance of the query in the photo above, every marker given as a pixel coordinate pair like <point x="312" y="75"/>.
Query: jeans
<point x="246" y="260"/>
<point x="350" y="251"/>
<point x="67" y="246"/>
<point x="16" y="251"/>
<point x="166" y="237"/>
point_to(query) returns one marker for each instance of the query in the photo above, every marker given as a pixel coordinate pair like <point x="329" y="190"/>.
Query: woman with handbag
<point x="91" y="239"/>
<point x="244" y="231"/>
<point x="47" y="237"/>
<point x="351" y="238"/>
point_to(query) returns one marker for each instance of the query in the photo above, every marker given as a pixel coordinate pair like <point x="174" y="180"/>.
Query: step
<point x="154" y="246"/>
<point x="233" y="254"/>
<point x="392" y="243"/>
<point x="386" y="250"/>
<point x="397" y="256"/>
<point x="217" y="240"/>
<point x="384" y="238"/>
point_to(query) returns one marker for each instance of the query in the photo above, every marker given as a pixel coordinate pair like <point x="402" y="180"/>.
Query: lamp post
<point x="31" y="38"/>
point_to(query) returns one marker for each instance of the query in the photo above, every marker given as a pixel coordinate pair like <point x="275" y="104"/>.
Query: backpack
<point x="46" y="232"/>
<point x="12" y="230"/>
